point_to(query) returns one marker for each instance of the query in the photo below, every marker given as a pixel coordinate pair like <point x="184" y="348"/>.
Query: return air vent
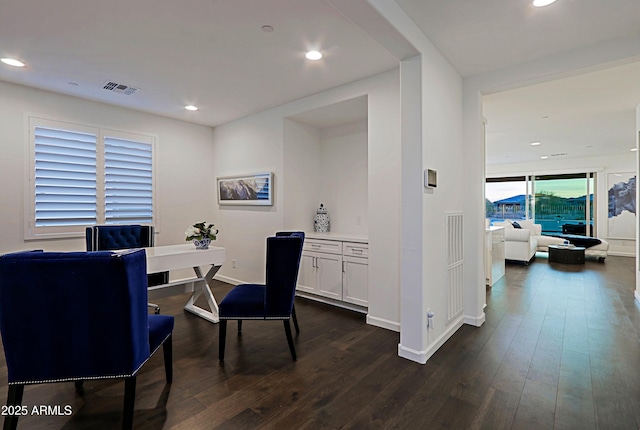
<point x="559" y="154"/>
<point x="119" y="88"/>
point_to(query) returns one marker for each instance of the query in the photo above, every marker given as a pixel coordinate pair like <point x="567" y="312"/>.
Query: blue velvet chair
<point x="53" y="332"/>
<point x="117" y="237"/>
<point x="273" y="300"/>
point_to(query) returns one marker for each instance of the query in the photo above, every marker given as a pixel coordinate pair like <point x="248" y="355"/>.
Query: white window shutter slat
<point x="65" y="178"/>
<point x="128" y="181"/>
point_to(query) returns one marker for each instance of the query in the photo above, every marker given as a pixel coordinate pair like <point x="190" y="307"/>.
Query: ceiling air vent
<point x="559" y="154"/>
<point x="119" y="88"/>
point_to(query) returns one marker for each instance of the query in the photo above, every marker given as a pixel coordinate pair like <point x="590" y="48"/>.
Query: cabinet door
<point x="355" y="286"/>
<point x="307" y="273"/>
<point x="329" y="272"/>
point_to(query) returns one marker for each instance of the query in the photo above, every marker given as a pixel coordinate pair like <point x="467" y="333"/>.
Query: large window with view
<point x="82" y="176"/>
<point x="559" y="203"/>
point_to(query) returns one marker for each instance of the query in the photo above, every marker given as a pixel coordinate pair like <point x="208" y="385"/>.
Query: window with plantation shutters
<point x="82" y="176"/>
<point x="128" y="182"/>
<point x="65" y="177"/>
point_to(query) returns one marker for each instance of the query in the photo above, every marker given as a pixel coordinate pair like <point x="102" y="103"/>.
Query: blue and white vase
<point x="321" y="222"/>
<point x="202" y="243"/>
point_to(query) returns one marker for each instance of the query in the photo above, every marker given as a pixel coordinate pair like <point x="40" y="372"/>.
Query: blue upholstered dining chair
<point x="273" y="300"/>
<point x="53" y="332"/>
<point x="118" y="237"/>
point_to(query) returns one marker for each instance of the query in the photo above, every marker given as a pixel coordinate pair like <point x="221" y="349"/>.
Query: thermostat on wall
<point x="430" y="178"/>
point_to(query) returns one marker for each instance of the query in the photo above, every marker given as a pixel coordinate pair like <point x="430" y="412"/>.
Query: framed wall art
<point x="621" y="222"/>
<point x="256" y="189"/>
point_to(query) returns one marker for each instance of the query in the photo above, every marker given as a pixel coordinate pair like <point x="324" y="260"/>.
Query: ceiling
<point x="209" y="53"/>
<point x="585" y="116"/>
<point x="340" y="113"/>
<point x="214" y="53"/>
<point x="483" y="36"/>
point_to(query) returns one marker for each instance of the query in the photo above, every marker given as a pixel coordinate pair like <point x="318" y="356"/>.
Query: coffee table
<point x="566" y="254"/>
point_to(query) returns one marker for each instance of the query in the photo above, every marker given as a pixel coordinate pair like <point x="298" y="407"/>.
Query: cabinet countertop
<point x="345" y="237"/>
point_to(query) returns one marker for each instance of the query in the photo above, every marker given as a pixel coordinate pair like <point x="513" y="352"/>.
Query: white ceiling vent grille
<point x="119" y="88"/>
<point x="559" y="154"/>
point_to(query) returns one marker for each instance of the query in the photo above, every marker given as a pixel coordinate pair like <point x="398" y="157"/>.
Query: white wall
<point x="637" y="161"/>
<point x="184" y="179"/>
<point x="343" y="177"/>
<point x="432" y="115"/>
<point x="442" y="151"/>
<point x="302" y="168"/>
<point x="327" y="165"/>
<point x="266" y="142"/>
<point x="603" y="166"/>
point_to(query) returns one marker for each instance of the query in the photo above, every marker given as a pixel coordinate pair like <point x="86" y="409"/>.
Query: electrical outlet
<point x="233" y="264"/>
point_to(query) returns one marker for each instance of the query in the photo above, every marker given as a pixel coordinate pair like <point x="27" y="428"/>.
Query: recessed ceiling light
<point x="191" y="107"/>
<point x="12" y="62"/>
<point x="541" y="3"/>
<point x="313" y="55"/>
<point x="267" y="28"/>
<point x="544" y="157"/>
<point x="633" y="149"/>
<point x="535" y="143"/>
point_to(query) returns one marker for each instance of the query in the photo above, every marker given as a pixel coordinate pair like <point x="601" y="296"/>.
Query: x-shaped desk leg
<point x="201" y="286"/>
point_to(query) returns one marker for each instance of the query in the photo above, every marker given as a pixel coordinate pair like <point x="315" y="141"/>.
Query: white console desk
<point x="173" y="257"/>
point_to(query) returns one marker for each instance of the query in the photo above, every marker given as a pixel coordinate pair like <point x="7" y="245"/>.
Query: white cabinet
<point x="321" y="274"/>
<point x="307" y="275"/>
<point x="494" y="254"/>
<point x="329" y="270"/>
<point x="336" y="270"/>
<point x="355" y="280"/>
<point x="321" y="268"/>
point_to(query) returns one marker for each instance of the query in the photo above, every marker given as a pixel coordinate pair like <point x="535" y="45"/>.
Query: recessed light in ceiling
<point x="541" y="3"/>
<point x="267" y="28"/>
<point x="191" y="107"/>
<point x="535" y="143"/>
<point x="12" y="62"/>
<point x="633" y="149"/>
<point x="544" y="157"/>
<point x="313" y="55"/>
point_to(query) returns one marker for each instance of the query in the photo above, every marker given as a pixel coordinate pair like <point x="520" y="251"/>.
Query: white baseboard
<point x="383" y="323"/>
<point x="422" y="356"/>
<point x="475" y="321"/>
<point x="332" y="302"/>
<point x="622" y="254"/>
<point x="228" y="280"/>
<point x="412" y="354"/>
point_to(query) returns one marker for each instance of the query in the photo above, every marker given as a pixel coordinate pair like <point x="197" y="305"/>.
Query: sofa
<point x="520" y="243"/>
<point x="523" y="238"/>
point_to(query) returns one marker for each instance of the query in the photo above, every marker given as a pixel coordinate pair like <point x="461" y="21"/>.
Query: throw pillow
<point x="516" y="225"/>
<point x="529" y="225"/>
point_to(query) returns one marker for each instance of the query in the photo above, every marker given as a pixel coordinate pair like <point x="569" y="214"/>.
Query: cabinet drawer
<point x="328" y="246"/>
<point x="356" y="249"/>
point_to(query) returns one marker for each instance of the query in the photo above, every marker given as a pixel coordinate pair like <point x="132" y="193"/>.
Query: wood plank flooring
<point x="560" y="350"/>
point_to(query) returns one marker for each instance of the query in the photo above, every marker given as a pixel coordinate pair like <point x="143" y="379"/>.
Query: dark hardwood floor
<point x="560" y="349"/>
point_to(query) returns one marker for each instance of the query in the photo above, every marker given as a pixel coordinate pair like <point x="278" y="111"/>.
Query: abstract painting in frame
<point x="254" y="189"/>
<point x="622" y="205"/>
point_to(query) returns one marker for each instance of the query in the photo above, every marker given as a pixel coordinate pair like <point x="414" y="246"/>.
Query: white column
<point x="412" y="318"/>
